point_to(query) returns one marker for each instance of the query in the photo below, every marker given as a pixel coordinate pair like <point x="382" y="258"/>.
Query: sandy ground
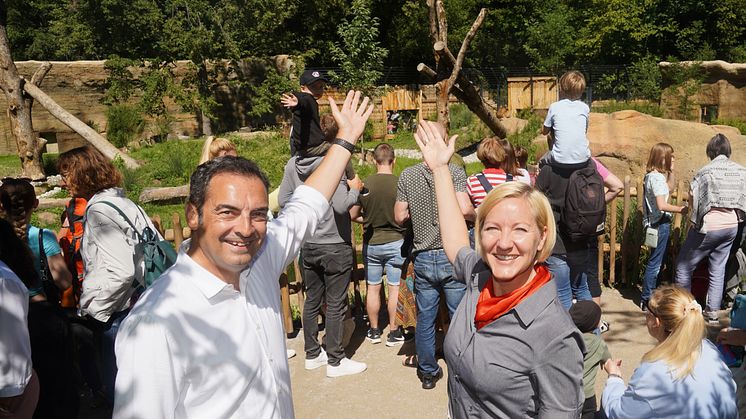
<point x="389" y="390"/>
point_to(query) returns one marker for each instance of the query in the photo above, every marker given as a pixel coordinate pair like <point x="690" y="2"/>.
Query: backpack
<point x="584" y="214"/>
<point x="486" y="185"/>
<point x="70" y="245"/>
<point x="158" y="254"/>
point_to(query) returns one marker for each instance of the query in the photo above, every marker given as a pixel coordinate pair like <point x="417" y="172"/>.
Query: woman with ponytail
<point x="18" y="201"/>
<point x="682" y="376"/>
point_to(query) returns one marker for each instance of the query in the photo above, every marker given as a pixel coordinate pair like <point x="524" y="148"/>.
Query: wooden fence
<point x="624" y="247"/>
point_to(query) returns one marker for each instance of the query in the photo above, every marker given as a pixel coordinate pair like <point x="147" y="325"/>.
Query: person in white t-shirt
<point x="567" y="121"/>
<point x="206" y="339"/>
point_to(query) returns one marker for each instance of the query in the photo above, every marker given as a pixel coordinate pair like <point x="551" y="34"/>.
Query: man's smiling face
<point x="232" y="227"/>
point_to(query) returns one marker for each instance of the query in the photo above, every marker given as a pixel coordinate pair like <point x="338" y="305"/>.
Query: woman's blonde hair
<point x="681" y="319"/>
<point x="660" y="158"/>
<point x="213" y="146"/>
<point x="540" y="209"/>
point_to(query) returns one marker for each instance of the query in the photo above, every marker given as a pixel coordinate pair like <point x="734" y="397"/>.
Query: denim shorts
<point x="380" y="257"/>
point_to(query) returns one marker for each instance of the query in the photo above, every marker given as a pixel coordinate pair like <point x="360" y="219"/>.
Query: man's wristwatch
<point x="345" y="144"/>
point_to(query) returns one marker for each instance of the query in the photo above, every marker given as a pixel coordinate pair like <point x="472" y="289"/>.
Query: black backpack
<point x="584" y="214"/>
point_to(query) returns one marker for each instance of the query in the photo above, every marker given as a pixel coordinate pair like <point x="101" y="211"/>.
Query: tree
<point x="359" y="53"/>
<point x="447" y="75"/>
<point x="19" y="105"/>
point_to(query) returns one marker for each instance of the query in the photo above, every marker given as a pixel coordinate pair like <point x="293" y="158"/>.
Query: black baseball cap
<point x="310" y="76"/>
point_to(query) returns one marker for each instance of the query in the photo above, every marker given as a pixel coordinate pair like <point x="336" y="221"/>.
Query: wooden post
<point x="612" y="242"/>
<point x="625" y="228"/>
<point x="178" y="230"/>
<point x="287" y="315"/>
<point x="301" y="289"/>
<point x="158" y="225"/>
<point x="637" y="239"/>
<point x="355" y="283"/>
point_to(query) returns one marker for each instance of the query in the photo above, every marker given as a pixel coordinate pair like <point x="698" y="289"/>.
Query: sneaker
<point x="373" y="335"/>
<point x="395" y="338"/>
<point x="603" y="327"/>
<point x="319" y="361"/>
<point x="644" y="306"/>
<point x="290" y="353"/>
<point x="429" y="380"/>
<point x="711" y="317"/>
<point x="346" y="367"/>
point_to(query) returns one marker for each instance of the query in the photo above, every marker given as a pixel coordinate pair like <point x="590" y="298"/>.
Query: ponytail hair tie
<point x="693" y="306"/>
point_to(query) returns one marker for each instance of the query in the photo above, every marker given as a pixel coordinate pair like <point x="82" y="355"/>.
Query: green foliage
<point x="736" y="123"/>
<point x="265" y="95"/>
<point x="550" y="39"/>
<point x="124" y="124"/>
<point x="525" y="137"/>
<point x="460" y="116"/>
<point x="611" y="106"/>
<point x="120" y="84"/>
<point x="49" y="162"/>
<point x="645" y="79"/>
<point x="359" y="53"/>
<point x="685" y="82"/>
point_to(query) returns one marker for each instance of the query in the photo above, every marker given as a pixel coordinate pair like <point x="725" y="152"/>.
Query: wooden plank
<point x="287" y="316"/>
<point x="612" y="240"/>
<point x="625" y="228"/>
<point x="601" y="259"/>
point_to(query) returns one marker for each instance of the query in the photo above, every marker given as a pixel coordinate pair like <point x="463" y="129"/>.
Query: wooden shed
<point x="532" y="92"/>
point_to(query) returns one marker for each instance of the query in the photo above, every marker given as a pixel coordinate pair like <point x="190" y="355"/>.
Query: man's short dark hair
<point x="200" y="179"/>
<point x="384" y="153"/>
<point x="718" y="145"/>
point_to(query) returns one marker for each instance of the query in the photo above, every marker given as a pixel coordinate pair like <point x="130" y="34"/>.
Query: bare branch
<point x="433" y="18"/>
<point x="465" y="46"/>
<point x="442" y="22"/>
<point x="40" y="73"/>
<point x="427" y="71"/>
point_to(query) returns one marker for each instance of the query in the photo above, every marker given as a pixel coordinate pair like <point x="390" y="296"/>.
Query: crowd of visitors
<point x="509" y="253"/>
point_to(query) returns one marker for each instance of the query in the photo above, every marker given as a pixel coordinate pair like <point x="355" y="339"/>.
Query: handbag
<point x="47" y="280"/>
<point x="651" y="237"/>
<point x="738" y="312"/>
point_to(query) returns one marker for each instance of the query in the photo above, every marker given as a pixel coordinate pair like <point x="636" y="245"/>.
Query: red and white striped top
<point x="474" y="187"/>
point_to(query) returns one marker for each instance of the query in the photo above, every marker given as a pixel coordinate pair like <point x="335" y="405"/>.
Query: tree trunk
<point x="19" y="108"/>
<point x="93" y="137"/>
<point x="169" y="194"/>
<point x="204" y="91"/>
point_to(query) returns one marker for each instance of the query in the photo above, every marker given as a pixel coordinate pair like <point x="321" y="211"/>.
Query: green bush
<point x="124" y="124"/>
<point x="49" y="162"/>
<point x="737" y="123"/>
<point x="461" y="116"/>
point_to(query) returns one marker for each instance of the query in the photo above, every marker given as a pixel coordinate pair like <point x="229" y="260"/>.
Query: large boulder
<point x="622" y="141"/>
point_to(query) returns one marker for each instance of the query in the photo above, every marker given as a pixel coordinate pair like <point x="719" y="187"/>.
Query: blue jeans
<point x="715" y="246"/>
<point x="650" y="280"/>
<point x="108" y="357"/>
<point x="569" y="271"/>
<point x="380" y="257"/>
<point x="432" y="273"/>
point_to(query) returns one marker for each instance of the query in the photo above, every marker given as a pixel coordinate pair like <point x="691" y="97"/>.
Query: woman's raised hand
<point x="431" y="138"/>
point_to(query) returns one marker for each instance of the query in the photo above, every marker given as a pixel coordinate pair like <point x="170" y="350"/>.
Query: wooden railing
<point x="625" y="246"/>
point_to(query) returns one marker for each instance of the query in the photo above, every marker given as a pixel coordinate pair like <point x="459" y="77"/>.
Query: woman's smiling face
<point x="510" y="240"/>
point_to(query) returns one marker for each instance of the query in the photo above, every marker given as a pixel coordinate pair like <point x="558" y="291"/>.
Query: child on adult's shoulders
<point x="586" y="315"/>
<point x="305" y="133"/>
<point x="567" y="121"/>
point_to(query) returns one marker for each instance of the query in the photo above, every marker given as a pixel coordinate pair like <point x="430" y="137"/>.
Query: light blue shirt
<point x="709" y="392"/>
<point x="569" y="121"/>
<point x="655" y="185"/>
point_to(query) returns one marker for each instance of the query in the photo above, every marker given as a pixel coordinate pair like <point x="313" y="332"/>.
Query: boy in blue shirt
<point x="567" y="121"/>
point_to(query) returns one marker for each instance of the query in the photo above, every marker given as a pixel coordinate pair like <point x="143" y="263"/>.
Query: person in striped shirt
<point x="498" y="159"/>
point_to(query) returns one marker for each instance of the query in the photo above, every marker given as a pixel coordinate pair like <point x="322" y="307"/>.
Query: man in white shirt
<point x="206" y="340"/>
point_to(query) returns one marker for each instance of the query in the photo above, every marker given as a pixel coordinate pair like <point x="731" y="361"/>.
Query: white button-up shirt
<point x="195" y="347"/>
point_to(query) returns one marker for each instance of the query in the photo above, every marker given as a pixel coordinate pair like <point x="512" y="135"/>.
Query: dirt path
<point x="389" y="390"/>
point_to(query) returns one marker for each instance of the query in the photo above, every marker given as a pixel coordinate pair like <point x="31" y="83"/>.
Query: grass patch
<point x="525" y="137"/>
<point x="736" y="123"/>
<point x="10" y="166"/>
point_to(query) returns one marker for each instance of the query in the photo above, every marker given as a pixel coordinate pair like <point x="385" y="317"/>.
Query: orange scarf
<point x="491" y="306"/>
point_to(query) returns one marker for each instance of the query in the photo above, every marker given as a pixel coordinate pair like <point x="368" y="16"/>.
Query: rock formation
<point x="622" y="142"/>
